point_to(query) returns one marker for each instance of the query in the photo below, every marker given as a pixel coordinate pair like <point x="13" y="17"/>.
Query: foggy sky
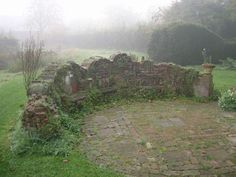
<point x="82" y="12"/>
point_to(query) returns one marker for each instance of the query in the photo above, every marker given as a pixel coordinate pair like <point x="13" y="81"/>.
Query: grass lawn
<point x="12" y="98"/>
<point x="224" y="79"/>
<point x="78" y="55"/>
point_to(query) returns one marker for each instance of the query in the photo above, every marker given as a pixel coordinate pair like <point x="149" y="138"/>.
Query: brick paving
<point x="163" y="138"/>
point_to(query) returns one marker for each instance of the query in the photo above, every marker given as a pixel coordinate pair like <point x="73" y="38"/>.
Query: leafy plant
<point x="228" y="100"/>
<point x="215" y="95"/>
<point x="51" y="130"/>
<point x="56" y="138"/>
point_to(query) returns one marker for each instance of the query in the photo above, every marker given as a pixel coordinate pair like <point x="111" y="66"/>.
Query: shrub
<point x="51" y="130"/>
<point x="215" y="95"/>
<point x="30" y="58"/>
<point x="229" y="63"/>
<point x="228" y="100"/>
<point x="183" y="43"/>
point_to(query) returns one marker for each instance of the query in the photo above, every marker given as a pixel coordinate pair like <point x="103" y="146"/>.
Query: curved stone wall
<point x="58" y="85"/>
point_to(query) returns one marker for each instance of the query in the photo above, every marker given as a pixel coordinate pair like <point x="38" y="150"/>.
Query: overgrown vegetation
<point x="56" y="138"/>
<point x="38" y="159"/>
<point x="228" y="100"/>
<point x="61" y="134"/>
<point x="32" y="160"/>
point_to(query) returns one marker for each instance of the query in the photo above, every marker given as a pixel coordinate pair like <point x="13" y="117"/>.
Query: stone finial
<point x="208" y="68"/>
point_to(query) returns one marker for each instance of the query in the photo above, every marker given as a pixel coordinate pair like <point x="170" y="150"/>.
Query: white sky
<point x="85" y="10"/>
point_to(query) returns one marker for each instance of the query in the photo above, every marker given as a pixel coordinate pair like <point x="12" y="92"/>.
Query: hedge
<point x="182" y="44"/>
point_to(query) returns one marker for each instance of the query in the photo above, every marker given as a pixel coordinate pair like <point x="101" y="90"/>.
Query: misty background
<point x="146" y="26"/>
<point x="86" y="24"/>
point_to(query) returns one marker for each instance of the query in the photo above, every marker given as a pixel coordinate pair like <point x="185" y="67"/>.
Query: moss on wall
<point x="70" y="85"/>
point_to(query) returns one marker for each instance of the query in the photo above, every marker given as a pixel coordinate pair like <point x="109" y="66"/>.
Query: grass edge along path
<point x="12" y="99"/>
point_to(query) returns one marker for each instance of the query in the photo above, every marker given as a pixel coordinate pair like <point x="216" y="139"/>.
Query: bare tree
<point x="30" y="58"/>
<point x="42" y="15"/>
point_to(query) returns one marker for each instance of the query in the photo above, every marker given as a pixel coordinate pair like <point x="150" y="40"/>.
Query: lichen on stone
<point x="69" y="84"/>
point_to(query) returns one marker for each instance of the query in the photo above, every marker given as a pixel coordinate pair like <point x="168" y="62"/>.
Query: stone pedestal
<point x="203" y="86"/>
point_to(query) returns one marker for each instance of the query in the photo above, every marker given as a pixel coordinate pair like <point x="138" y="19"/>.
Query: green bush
<point x="51" y="130"/>
<point x="183" y="44"/>
<point x="228" y="100"/>
<point x="229" y="63"/>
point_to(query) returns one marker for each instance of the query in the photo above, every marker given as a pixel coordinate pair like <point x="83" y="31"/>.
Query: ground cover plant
<point x="227" y="100"/>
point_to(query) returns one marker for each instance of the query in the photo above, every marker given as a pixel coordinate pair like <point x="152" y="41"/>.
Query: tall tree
<point x="216" y="15"/>
<point x="42" y="15"/>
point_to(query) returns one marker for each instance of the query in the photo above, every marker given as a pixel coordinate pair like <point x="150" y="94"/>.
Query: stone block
<point x="203" y="86"/>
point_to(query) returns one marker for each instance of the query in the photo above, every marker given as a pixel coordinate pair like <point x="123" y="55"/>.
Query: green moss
<point x="190" y="76"/>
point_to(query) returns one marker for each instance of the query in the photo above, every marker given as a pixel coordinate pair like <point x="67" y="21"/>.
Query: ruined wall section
<point x="64" y="84"/>
<point x="122" y="72"/>
<point x="52" y="88"/>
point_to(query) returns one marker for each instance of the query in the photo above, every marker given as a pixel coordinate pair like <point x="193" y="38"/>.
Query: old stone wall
<point x="59" y="85"/>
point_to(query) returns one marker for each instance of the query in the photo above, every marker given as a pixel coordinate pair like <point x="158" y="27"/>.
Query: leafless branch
<point x="30" y="57"/>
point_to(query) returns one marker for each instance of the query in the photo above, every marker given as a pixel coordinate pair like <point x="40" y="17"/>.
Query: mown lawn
<point x="78" y="55"/>
<point x="12" y="98"/>
<point x="224" y="79"/>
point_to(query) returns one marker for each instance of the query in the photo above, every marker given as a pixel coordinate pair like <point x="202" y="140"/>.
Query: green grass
<point x="78" y="55"/>
<point x="12" y="98"/>
<point x="6" y="76"/>
<point x="47" y="166"/>
<point x="224" y="79"/>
